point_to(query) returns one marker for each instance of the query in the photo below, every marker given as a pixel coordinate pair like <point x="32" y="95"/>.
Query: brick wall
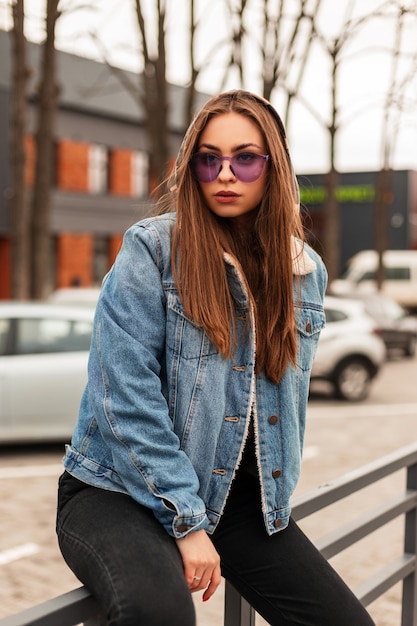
<point x="5" y="268"/>
<point x="120" y="166"/>
<point x="74" y="260"/>
<point x="115" y="243"/>
<point x="72" y="165"/>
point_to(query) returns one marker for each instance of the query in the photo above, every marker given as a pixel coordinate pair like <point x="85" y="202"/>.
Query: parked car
<point x="83" y="296"/>
<point x="400" y="281"/>
<point x="350" y="351"/>
<point x="398" y="329"/>
<point x="43" y="369"/>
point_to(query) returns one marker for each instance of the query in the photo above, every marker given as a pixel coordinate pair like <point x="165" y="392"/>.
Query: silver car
<point x="43" y="369"/>
<point x="350" y="351"/>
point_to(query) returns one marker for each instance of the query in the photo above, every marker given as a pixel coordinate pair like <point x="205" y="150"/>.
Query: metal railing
<point x="78" y="606"/>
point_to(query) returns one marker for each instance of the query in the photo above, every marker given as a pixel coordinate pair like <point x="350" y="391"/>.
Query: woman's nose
<point x="226" y="171"/>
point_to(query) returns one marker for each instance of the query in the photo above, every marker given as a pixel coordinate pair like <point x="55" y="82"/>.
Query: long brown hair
<point x="201" y="238"/>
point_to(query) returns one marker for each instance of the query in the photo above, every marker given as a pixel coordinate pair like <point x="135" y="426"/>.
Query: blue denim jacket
<point x="164" y="417"/>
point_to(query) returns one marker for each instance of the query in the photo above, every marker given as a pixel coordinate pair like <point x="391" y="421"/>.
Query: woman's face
<point x="232" y="134"/>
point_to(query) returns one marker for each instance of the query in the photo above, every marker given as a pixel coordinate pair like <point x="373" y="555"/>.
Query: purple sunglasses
<point x="245" y="166"/>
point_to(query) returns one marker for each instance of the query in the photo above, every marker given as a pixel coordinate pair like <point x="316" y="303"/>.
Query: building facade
<point x="102" y="181"/>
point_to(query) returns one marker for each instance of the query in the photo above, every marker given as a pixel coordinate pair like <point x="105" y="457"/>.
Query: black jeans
<point x="123" y="555"/>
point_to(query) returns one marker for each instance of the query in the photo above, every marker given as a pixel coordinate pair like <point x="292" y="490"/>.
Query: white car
<point x="400" y="282"/>
<point x="43" y="369"/>
<point x="350" y="351"/>
<point x="80" y="296"/>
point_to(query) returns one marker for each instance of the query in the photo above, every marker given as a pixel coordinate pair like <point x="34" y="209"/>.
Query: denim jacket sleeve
<point x="125" y="390"/>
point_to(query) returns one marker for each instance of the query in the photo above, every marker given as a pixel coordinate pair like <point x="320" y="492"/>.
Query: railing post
<point x="409" y="602"/>
<point x="237" y="612"/>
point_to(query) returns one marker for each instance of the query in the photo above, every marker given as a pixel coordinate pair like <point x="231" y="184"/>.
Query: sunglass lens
<point x="206" y="167"/>
<point x="247" y="166"/>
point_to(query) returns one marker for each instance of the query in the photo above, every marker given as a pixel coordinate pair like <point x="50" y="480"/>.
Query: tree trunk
<point x="19" y="216"/>
<point x="332" y="226"/>
<point x="191" y="90"/>
<point x="154" y="95"/>
<point x="383" y="200"/>
<point x="331" y="207"/>
<point x="40" y="223"/>
<point x="155" y="100"/>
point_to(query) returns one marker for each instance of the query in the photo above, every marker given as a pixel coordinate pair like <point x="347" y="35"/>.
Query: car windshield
<point x="384" y="307"/>
<point x="352" y="274"/>
<point x="4" y="332"/>
<point x="37" y="336"/>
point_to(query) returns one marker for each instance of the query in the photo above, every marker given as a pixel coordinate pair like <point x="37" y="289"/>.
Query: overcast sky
<point x="363" y="79"/>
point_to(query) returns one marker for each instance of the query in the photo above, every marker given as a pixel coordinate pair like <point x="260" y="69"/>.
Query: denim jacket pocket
<point x="310" y="319"/>
<point x="184" y="337"/>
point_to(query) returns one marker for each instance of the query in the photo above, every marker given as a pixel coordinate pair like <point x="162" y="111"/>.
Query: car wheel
<point x="353" y="379"/>
<point x="410" y="348"/>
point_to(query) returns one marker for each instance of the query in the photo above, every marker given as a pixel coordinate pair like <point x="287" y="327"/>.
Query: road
<point x="340" y="437"/>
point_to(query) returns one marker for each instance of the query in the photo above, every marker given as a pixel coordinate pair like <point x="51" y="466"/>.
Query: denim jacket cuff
<point x="183" y="526"/>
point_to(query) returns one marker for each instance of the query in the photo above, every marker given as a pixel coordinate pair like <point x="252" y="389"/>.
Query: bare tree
<point x="285" y="51"/>
<point x="282" y="42"/>
<point x="44" y="141"/>
<point x="390" y="128"/>
<point x="194" y="69"/>
<point x="293" y="92"/>
<point x="331" y="212"/>
<point x="236" y="13"/>
<point x="154" y="91"/>
<point x="335" y="48"/>
<point x="154" y="94"/>
<point x="18" y="206"/>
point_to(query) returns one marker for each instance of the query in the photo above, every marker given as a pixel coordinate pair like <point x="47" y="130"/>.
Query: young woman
<point x="188" y="443"/>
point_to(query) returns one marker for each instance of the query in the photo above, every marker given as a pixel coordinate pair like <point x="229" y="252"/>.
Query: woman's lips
<point x="226" y="196"/>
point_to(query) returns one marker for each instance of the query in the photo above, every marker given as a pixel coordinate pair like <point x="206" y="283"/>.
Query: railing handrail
<point x="74" y="607"/>
<point x="350" y="482"/>
<point x="79" y="606"/>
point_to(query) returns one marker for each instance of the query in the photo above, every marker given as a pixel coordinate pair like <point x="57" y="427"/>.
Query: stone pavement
<point x="339" y="438"/>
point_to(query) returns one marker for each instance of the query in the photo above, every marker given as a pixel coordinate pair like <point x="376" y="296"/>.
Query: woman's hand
<point x="201" y="563"/>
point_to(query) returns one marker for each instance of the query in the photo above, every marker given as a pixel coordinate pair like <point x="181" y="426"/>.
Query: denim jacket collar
<point x="302" y="263"/>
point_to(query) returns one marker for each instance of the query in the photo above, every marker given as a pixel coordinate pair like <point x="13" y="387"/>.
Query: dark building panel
<point x="412" y="209"/>
<point x="356" y="193"/>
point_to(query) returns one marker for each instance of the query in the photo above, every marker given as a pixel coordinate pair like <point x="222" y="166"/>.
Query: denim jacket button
<point x="278" y="522"/>
<point x="273" y="419"/>
<point x="182" y="528"/>
<point x="276" y="473"/>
